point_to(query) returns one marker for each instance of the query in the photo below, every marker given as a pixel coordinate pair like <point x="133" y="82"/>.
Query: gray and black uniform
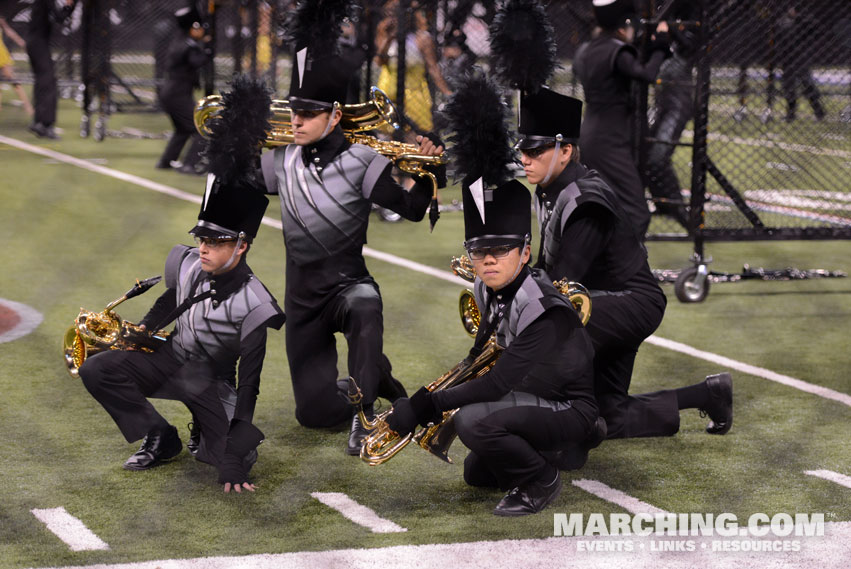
<point x="197" y="365"/>
<point x="326" y="191"/>
<point x="607" y="68"/>
<point x="538" y="397"/>
<point x="586" y="239"/>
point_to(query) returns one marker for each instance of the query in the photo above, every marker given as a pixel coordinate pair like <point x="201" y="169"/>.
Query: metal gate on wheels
<point x="767" y="148"/>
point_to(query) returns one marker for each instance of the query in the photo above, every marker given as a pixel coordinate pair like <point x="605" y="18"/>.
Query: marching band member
<point x="585" y="237"/>
<point x="327" y="187"/>
<point x="538" y="399"/>
<point x="222" y="311"/>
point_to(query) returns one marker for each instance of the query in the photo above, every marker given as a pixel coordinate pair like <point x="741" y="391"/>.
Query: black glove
<point x="439" y="171"/>
<point x="661" y="41"/>
<point x="232" y="469"/>
<point x="243" y="437"/>
<point x="407" y="413"/>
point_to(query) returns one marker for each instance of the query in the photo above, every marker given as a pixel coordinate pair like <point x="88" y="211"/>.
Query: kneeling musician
<point x="534" y="412"/>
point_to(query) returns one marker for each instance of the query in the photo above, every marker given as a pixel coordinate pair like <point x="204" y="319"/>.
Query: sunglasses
<point x="479" y="253"/>
<point x="213" y="242"/>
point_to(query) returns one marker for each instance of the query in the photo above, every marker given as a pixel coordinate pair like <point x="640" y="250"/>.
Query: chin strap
<point x="229" y="265"/>
<point x="330" y="120"/>
<point x="520" y="263"/>
<point x="546" y="179"/>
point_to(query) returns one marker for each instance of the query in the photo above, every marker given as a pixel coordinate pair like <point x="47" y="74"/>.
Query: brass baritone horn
<point x="383" y="443"/>
<point x="94" y="332"/>
<point x="357" y="119"/>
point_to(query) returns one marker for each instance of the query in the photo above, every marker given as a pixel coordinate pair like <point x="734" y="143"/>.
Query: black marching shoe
<point x="356" y="436"/>
<point x="158" y="446"/>
<point x="574" y="456"/>
<point x="529" y="498"/>
<point x="720" y="404"/>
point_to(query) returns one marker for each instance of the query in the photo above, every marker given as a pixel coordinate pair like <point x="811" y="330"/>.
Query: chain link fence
<point x="745" y="134"/>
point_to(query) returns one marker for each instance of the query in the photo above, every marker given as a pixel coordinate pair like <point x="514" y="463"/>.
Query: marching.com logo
<point x="733" y="535"/>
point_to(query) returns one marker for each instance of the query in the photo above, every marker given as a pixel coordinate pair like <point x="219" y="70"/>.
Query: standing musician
<point x="327" y="187"/>
<point x="586" y="237"/>
<point x="537" y="400"/>
<point x="222" y="312"/>
<point x="187" y="53"/>
<point x="608" y="66"/>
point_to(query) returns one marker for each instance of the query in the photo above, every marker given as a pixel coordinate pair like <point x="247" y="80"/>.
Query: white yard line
<point x="625" y="501"/>
<point x="750" y="369"/>
<point x="69" y="529"/>
<point x="830" y="551"/>
<point x="840" y="479"/>
<point x="445" y="275"/>
<point x="357" y="513"/>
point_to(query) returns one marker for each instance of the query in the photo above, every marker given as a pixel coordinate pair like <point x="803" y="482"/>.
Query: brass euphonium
<point x="357" y="119"/>
<point x="383" y="443"/>
<point x="94" y="332"/>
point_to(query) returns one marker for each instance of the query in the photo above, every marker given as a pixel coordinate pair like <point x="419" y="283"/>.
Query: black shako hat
<point x="546" y="117"/>
<point x="318" y="82"/>
<point x="187" y="17"/>
<point x="499" y="216"/>
<point x="232" y="205"/>
<point x="613" y="14"/>
<point x="320" y="76"/>
<point x="230" y="209"/>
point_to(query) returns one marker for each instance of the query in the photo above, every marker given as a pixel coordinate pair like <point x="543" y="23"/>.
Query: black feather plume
<point x="315" y="24"/>
<point x="479" y="117"/>
<point x="522" y="45"/>
<point x="238" y="132"/>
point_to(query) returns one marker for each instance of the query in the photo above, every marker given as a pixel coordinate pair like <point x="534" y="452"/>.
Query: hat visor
<point x="494" y="241"/>
<point x="299" y="104"/>
<point x="212" y="233"/>
<point x="529" y="142"/>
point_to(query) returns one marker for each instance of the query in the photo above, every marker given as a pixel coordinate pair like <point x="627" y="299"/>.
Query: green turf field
<point x="73" y="237"/>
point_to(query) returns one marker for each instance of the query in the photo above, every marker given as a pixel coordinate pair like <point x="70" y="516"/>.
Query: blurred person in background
<point x="674" y="104"/>
<point x="44" y="15"/>
<point x="421" y="64"/>
<point x="7" y="64"/>
<point x="608" y="66"/>
<point x="796" y="30"/>
<point x="187" y="54"/>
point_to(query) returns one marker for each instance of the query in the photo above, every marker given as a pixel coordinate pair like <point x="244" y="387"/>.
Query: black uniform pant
<point x="794" y="75"/>
<point x="122" y="382"/>
<point x="620" y="322"/>
<point x="356" y="311"/>
<point x="45" y="93"/>
<point x="506" y="437"/>
<point x="180" y="108"/>
<point x="673" y="111"/>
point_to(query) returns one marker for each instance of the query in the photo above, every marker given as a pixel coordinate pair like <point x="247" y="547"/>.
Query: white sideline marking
<point x="829" y="551"/>
<point x="445" y="275"/>
<point x="825" y="392"/>
<point x="832" y="476"/>
<point x="625" y="501"/>
<point x="357" y="513"/>
<point x="69" y="529"/>
<point x="180" y="194"/>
